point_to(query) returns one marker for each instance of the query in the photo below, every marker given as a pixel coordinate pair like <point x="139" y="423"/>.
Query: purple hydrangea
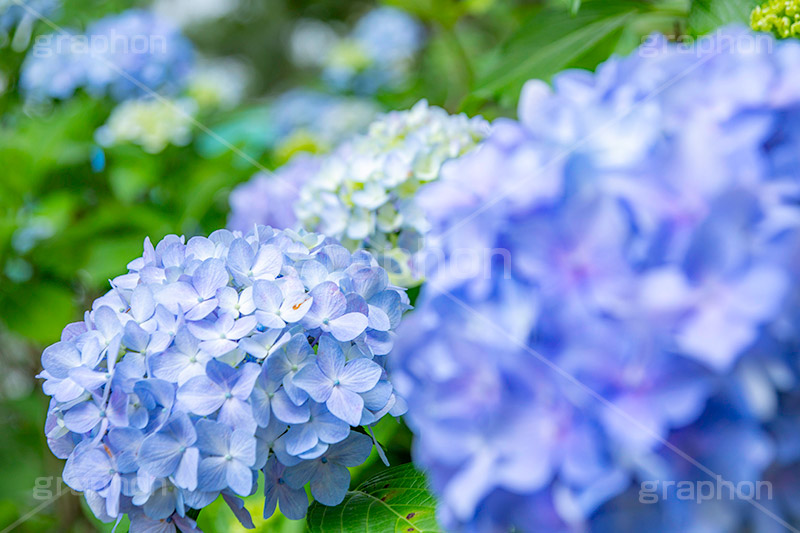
<point x="125" y="56"/>
<point x="636" y="235"/>
<point x="270" y="200"/>
<point x="218" y="357"/>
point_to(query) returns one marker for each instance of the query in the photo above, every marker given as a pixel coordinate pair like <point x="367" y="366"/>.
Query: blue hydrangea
<point x="119" y="55"/>
<point x="378" y="54"/>
<point x="324" y="118"/>
<point x="638" y="228"/>
<point x="214" y="358"/>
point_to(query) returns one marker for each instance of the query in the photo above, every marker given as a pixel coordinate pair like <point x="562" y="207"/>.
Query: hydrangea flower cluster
<point x="363" y="193"/>
<point x="781" y="17"/>
<point x="651" y="252"/>
<point x="150" y="51"/>
<point x="218" y="357"/>
<point x="149" y="122"/>
<point x="376" y="55"/>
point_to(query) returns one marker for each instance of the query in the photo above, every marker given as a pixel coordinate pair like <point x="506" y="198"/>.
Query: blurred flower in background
<point x="364" y="192"/>
<point x="299" y="120"/>
<point x="651" y="244"/>
<point x="218" y="83"/>
<point x="269" y="199"/>
<point x="152" y="123"/>
<point x="377" y="54"/>
<point x="131" y="54"/>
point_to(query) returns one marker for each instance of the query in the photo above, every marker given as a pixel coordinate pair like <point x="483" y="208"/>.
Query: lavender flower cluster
<point x="118" y="55"/>
<point x="649" y="296"/>
<point x="218" y="357"/>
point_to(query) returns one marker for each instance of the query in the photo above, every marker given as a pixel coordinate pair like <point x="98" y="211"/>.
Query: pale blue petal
<point x="213" y="438"/>
<point x="210" y="276"/>
<point x="330" y="483"/>
<point x="243" y="447"/>
<point x="239" y="477"/>
<point x="160" y="455"/>
<point x="82" y="418"/>
<point x="312" y="380"/>
<point x="300" y="438"/>
<point x="349" y="326"/>
<point x="286" y="411"/>
<point x="186" y="473"/>
<point x="346" y="405"/>
<point x="360" y="375"/>
<point x="201" y="395"/>
<point x="330" y="358"/>
<point x="212" y="474"/>
<point x="351" y="452"/>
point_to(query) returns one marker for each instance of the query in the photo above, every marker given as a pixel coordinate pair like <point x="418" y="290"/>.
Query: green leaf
<point x="548" y="42"/>
<point x="38" y="311"/>
<point x="396" y="500"/>
<point x="708" y="15"/>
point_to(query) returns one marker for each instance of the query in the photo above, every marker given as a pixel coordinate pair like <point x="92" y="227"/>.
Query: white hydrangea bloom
<point x="364" y="191"/>
<point x="151" y="123"/>
<point x="218" y="83"/>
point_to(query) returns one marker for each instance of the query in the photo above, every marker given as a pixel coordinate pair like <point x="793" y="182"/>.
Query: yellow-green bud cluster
<point x="781" y="17"/>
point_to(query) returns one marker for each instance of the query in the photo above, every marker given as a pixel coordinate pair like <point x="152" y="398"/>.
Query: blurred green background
<point x="73" y="213"/>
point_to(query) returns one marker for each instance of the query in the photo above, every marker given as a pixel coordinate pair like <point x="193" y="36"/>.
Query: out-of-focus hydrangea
<point x="20" y="20"/>
<point x="152" y="123"/>
<point x="377" y="54"/>
<point x="364" y="192"/>
<point x="124" y="55"/>
<point x="218" y="357"/>
<point x="781" y="17"/>
<point x="269" y="199"/>
<point x="299" y="120"/>
<point x="218" y="83"/>
<point x="639" y="228"/>
<point x="306" y="120"/>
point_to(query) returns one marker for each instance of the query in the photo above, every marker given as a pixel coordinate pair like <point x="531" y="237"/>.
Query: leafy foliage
<point x="552" y="39"/>
<point x="706" y="15"/>
<point x="396" y="500"/>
